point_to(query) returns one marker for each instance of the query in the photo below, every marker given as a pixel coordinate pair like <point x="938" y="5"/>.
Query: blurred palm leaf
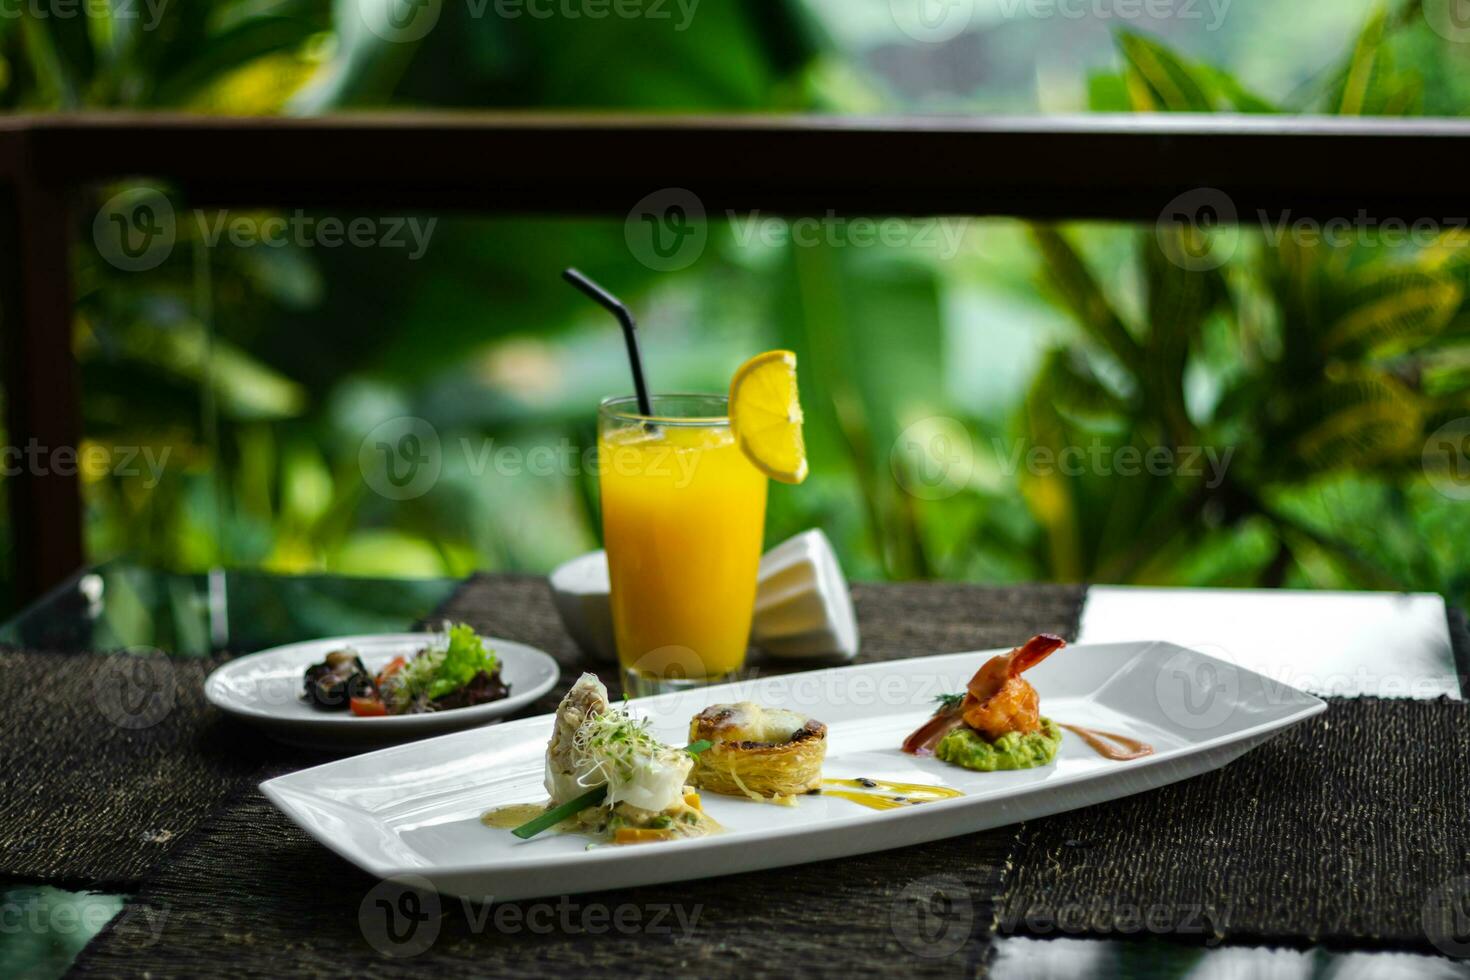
<point x="1393" y="309"/>
<point x="1158" y="80"/>
<point x="1361" y="355"/>
<point x="1079" y="291"/>
<point x="1353" y="424"/>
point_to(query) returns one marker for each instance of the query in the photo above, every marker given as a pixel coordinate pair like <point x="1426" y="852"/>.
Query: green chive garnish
<point x="556" y="815"/>
<point x="571" y="808"/>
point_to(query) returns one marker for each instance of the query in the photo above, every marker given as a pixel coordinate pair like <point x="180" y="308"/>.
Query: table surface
<point x="1329" y="643"/>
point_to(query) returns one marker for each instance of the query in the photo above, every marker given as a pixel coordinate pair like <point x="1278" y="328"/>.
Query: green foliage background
<point x="926" y="374"/>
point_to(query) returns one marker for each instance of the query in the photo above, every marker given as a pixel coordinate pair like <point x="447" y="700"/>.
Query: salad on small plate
<point x="453" y="670"/>
<point x="359" y="692"/>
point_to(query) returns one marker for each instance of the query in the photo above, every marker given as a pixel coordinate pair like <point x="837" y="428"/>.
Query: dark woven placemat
<point x="894" y="621"/>
<point x="1338" y="831"/>
<point x="252" y="894"/>
<point x="109" y="761"/>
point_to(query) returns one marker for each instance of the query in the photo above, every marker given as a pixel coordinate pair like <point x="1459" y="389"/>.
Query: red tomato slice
<point x="397" y="664"/>
<point x="369" y="707"/>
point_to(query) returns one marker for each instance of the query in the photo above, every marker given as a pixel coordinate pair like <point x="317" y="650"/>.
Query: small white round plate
<point x="265" y="689"/>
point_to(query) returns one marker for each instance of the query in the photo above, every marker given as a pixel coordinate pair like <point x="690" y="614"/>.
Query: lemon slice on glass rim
<point x="765" y="413"/>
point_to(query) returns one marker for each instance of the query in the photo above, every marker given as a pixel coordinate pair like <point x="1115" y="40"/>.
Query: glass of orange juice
<point x="683" y="518"/>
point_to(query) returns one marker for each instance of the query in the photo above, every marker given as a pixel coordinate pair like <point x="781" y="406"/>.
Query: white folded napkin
<point x="802" y="608"/>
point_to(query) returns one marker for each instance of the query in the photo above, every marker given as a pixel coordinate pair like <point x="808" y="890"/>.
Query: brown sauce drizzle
<point x="1117" y="748"/>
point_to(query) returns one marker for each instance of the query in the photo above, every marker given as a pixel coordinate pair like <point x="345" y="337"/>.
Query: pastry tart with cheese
<point x="767" y="754"/>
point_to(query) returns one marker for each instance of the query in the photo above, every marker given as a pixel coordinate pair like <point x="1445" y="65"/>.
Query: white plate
<point x="265" y="689"/>
<point x="413" y="811"/>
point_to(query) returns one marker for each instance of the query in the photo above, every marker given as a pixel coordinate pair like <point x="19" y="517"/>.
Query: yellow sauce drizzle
<point x="511" y="817"/>
<point x="884" y="795"/>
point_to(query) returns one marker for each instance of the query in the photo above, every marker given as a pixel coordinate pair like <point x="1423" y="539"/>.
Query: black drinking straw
<point x="630" y="332"/>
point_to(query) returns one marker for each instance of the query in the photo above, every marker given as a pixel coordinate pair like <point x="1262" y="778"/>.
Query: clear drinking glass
<point x="683" y="518"/>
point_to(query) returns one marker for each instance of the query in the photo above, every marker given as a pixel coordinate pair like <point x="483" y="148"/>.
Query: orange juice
<point x="683" y="515"/>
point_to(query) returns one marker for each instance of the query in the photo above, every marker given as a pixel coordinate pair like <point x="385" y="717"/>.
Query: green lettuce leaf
<point x="441" y="672"/>
<point x="465" y="658"/>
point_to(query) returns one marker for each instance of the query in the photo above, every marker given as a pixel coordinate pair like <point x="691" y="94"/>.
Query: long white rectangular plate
<point x="413" y="810"/>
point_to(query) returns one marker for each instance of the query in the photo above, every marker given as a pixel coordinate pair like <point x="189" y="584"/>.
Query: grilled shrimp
<point x="998" y="699"/>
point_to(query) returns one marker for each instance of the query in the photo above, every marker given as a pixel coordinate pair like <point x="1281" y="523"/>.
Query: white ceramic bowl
<point x="579" y="589"/>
